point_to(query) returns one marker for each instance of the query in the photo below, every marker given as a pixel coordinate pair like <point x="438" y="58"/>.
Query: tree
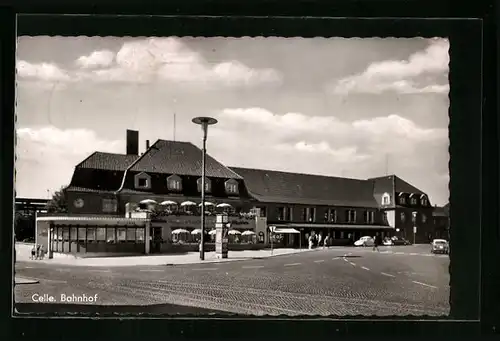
<point x="59" y="202"/>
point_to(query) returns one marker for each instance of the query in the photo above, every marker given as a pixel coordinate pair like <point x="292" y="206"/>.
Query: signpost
<point x="221" y="235"/>
<point x="414" y="218"/>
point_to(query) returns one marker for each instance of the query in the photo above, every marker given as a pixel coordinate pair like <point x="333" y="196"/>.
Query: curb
<point x="25" y="280"/>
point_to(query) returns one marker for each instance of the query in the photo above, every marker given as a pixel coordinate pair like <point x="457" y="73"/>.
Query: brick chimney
<point x="132" y="142"/>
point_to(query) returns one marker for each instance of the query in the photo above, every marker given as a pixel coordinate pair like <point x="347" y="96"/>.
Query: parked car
<point x="399" y="241"/>
<point x="387" y="242"/>
<point x="440" y="246"/>
<point x="365" y="241"/>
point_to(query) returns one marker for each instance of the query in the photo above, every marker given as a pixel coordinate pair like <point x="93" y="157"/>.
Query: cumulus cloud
<point x="96" y="59"/>
<point x="52" y="154"/>
<point x="401" y="76"/>
<point x="162" y="59"/>
<point x="43" y="71"/>
<point x="327" y="145"/>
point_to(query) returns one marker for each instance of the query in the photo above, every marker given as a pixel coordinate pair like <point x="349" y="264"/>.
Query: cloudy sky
<point x="344" y="107"/>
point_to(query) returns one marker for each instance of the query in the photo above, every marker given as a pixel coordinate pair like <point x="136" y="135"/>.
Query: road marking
<point x="365" y="268"/>
<point x="293" y="264"/>
<point x="63" y="270"/>
<point x="205" y="269"/>
<point x="29" y="267"/>
<point x="353" y="264"/>
<point x="253" y="267"/>
<point x="335" y="258"/>
<point x="388" y="275"/>
<point x="151" y="270"/>
<point x="426" y="255"/>
<point x="50" y="280"/>
<point x="319" y="261"/>
<point x="413" y="254"/>
<point x="96" y="270"/>
<point x="426" y="285"/>
<point x="399" y="253"/>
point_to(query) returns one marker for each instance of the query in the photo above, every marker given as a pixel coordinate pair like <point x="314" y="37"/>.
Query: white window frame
<point x="332" y="213"/>
<point x="231" y="186"/>
<point x="371" y="218"/>
<point x="366" y="214"/>
<point x="402" y="200"/>
<point x="386" y="199"/>
<point x="413" y="201"/>
<point x="351" y="216"/>
<point x="174" y="183"/>
<point x="142" y="176"/>
<point x="208" y="185"/>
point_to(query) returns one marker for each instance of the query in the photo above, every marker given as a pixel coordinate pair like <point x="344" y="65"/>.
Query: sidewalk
<point x="189" y="258"/>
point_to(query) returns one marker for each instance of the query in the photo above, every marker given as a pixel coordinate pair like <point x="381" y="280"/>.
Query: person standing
<point x="37" y="251"/>
<point x="376" y="241"/>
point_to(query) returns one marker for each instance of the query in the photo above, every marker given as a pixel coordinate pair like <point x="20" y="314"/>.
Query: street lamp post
<point x="204" y="122"/>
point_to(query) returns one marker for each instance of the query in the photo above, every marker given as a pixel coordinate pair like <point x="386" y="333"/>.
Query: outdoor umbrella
<point x="233" y="232"/>
<point x="168" y="202"/>
<point x="178" y="231"/>
<point x="224" y="205"/>
<point x="196" y="231"/>
<point x="188" y="203"/>
<point x="207" y="203"/>
<point x="147" y="201"/>
<point x="248" y="233"/>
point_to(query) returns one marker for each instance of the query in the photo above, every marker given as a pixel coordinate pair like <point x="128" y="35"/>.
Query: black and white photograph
<point x="207" y="176"/>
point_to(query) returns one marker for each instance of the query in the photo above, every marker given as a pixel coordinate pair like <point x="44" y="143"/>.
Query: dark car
<point x="399" y="241"/>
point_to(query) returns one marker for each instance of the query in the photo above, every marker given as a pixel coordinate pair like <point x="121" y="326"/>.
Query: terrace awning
<point x="284" y="230"/>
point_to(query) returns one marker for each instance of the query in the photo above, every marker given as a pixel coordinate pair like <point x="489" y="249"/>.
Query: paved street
<point x="339" y="281"/>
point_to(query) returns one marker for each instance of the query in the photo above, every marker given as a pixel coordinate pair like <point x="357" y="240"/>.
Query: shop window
<point x="101" y="234"/>
<point x="109" y="205"/>
<point x="142" y="181"/>
<point x="73" y="231"/>
<point x="82" y="233"/>
<point x="139" y="234"/>
<point x="90" y="234"/>
<point x="386" y="199"/>
<point x="174" y="183"/>
<point x="208" y="185"/>
<point x="121" y="234"/>
<point x="110" y="235"/>
<point x="131" y="234"/>
<point x="231" y="186"/>
<point x="65" y="234"/>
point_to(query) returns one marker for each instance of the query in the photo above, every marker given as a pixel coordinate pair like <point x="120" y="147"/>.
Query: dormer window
<point x="231" y="186"/>
<point x="174" y="183"/>
<point x="402" y="199"/>
<point x="424" y="201"/>
<point x="208" y="185"/>
<point x="413" y="199"/>
<point x="142" y="181"/>
<point x="386" y="199"/>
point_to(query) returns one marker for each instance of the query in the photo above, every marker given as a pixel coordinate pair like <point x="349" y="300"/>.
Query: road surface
<point x="339" y="281"/>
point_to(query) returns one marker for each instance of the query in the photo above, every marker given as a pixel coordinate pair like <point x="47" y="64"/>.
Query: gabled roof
<point x="400" y="185"/>
<point x="296" y="188"/>
<point x="182" y="158"/>
<point x="108" y="161"/>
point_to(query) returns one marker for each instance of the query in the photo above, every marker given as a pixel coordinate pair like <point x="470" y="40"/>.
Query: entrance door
<point x="156" y="239"/>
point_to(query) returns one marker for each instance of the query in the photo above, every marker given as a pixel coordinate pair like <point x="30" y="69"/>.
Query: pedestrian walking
<point x="33" y="252"/>
<point x="311" y="241"/>
<point x="320" y="239"/>
<point x="37" y="251"/>
<point x="326" y="242"/>
<point x="376" y="243"/>
<point x="42" y="252"/>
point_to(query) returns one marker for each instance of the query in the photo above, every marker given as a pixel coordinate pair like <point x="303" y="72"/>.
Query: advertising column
<point x="221" y="235"/>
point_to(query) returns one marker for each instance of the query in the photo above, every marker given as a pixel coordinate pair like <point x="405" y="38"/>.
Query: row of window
<point x="98" y="234"/>
<point x="309" y="214"/>
<point x="402" y="199"/>
<point x="423" y="218"/>
<point x="174" y="183"/>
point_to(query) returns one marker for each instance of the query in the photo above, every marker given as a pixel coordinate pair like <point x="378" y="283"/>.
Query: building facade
<point x="270" y="206"/>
